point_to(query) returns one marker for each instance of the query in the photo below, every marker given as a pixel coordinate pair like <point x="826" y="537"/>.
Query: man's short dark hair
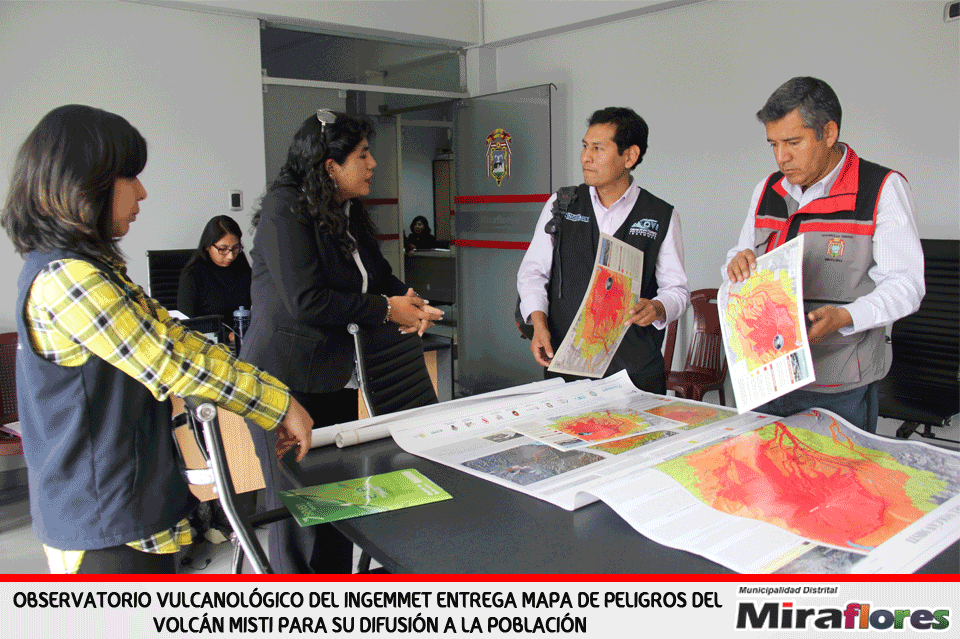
<point x="817" y="102"/>
<point x="631" y="129"/>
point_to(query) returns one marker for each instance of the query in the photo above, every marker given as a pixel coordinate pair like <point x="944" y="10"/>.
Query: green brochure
<point x="363" y="496"/>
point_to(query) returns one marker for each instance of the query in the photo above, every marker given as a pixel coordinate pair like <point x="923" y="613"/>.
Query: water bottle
<point x="241" y="320"/>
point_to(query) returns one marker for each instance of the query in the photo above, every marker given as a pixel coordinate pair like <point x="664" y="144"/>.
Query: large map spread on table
<point x="819" y="485"/>
<point x="763" y="318"/>
<point x="756" y="493"/>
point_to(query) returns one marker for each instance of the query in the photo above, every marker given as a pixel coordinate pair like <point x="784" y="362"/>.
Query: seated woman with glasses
<point x="216" y="280"/>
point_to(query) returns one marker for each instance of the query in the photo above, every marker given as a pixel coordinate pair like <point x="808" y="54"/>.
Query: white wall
<point x="190" y="82"/>
<point x="698" y="74"/>
<point x="452" y="21"/>
<point x="507" y="19"/>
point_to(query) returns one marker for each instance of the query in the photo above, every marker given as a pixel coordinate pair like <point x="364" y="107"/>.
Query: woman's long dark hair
<point x="216" y="229"/>
<point x="61" y="195"/>
<point x="304" y="170"/>
<point x="426" y="224"/>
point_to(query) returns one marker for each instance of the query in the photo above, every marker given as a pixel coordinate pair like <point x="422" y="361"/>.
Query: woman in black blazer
<point x="317" y="267"/>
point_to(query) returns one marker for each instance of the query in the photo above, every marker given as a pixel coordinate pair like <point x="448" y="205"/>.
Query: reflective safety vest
<point x="838" y="253"/>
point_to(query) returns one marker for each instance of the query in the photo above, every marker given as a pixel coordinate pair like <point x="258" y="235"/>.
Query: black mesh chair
<point x="211" y="325"/>
<point x="163" y="274"/>
<point x="922" y="386"/>
<point x="391" y="369"/>
<point x="393" y="376"/>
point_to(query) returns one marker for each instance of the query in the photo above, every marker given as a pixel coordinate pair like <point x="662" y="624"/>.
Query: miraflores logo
<point x="783" y="615"/>
<point x="646" y="228"/>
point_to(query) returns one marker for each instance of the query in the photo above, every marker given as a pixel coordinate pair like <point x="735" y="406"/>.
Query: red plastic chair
<point x="9" y="442"/>
<point x="706" y="367"/>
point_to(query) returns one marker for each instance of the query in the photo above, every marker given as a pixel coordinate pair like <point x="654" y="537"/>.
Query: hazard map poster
<point x="808" y="493"/>
<point x="763" y="328"/>
<point x="598" y="328"/>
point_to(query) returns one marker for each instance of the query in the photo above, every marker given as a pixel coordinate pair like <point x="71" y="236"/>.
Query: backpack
<point x="566" y="196"/>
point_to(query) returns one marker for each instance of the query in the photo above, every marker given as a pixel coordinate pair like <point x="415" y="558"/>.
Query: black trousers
<point x="124" y="560"/>
<point x="292" y="549"/>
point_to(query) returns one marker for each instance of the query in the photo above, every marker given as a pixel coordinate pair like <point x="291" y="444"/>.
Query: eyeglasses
<point x="226" y="250"/>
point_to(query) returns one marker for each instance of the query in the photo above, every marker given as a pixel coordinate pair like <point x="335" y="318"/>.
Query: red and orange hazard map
<point x="598" y="328"/>
<point x="818" y="484"/>
<point x="764" y="331"/>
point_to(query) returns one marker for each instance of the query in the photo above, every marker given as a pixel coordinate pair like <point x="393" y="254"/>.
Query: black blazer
<point x="304" y="293"/>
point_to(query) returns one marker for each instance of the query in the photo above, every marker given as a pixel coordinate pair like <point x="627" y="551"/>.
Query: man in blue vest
<point x="862" y="263"/>
<point x="554" y="274"/>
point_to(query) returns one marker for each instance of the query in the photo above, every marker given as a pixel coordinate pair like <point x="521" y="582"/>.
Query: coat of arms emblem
<point x="835" y="247"/>
<point x="498" y="155"/>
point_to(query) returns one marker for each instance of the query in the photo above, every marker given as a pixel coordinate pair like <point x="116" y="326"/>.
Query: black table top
<point x="489" y="529"/>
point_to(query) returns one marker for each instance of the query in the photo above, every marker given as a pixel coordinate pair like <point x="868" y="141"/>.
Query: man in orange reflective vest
<point x="862" y="263"/>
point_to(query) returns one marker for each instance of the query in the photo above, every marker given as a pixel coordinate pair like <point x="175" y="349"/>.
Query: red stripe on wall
<point x="388" y="236"/>
<point x="497" y="244"/>
<point x="377" y="201"/>
<point x="501" y="199"/>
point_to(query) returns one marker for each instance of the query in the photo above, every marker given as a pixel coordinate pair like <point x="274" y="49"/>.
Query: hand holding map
<point x="763" y="328"/>
<point x="603" y="318"/>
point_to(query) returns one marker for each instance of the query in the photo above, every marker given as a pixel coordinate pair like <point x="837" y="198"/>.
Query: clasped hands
<point x="823" y="320"/>
<point x="412" y="313"/>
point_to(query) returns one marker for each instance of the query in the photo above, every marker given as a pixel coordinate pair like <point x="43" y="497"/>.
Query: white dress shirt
<point x="898" y="256"/>
<point x="533" y="276"/>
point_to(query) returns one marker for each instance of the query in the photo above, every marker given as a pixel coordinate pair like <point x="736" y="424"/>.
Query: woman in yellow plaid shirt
<point x="98" y="359"/>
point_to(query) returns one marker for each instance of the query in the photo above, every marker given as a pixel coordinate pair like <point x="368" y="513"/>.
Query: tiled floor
<point x="20" y="552"/>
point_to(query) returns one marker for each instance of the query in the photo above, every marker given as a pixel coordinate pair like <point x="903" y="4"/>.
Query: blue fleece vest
<point x="98" y="446"/>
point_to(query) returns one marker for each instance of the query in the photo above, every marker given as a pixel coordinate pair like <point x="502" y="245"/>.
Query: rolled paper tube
<point x="361" y="435"/>
<point x="324" y="436"/>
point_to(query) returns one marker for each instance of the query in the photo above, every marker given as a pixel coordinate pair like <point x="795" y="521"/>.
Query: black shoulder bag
<point x="566" y="196"/>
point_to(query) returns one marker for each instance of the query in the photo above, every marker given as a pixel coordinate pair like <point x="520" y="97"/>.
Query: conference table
<point x="489" y="529"/>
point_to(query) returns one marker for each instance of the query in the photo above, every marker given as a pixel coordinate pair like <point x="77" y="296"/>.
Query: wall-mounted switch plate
<point x="236" y="200"/>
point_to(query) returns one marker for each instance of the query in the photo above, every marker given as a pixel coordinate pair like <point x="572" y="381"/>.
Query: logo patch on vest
<point x="646" y="228"/>
<point x="576" y="217"/>
<point x="835" y="247"/>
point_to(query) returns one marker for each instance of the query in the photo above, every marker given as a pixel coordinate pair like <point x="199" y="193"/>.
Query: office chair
<point x="706" y="367"/>
<point x="391" y="369"/>
<point x="10" y="443"/>
<point x="210" y="325"/>
<point x="200" y="422"/>
<point x="922" y="387"/>
<point x="393" y="376"/>
<point x="163" y="274"/>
